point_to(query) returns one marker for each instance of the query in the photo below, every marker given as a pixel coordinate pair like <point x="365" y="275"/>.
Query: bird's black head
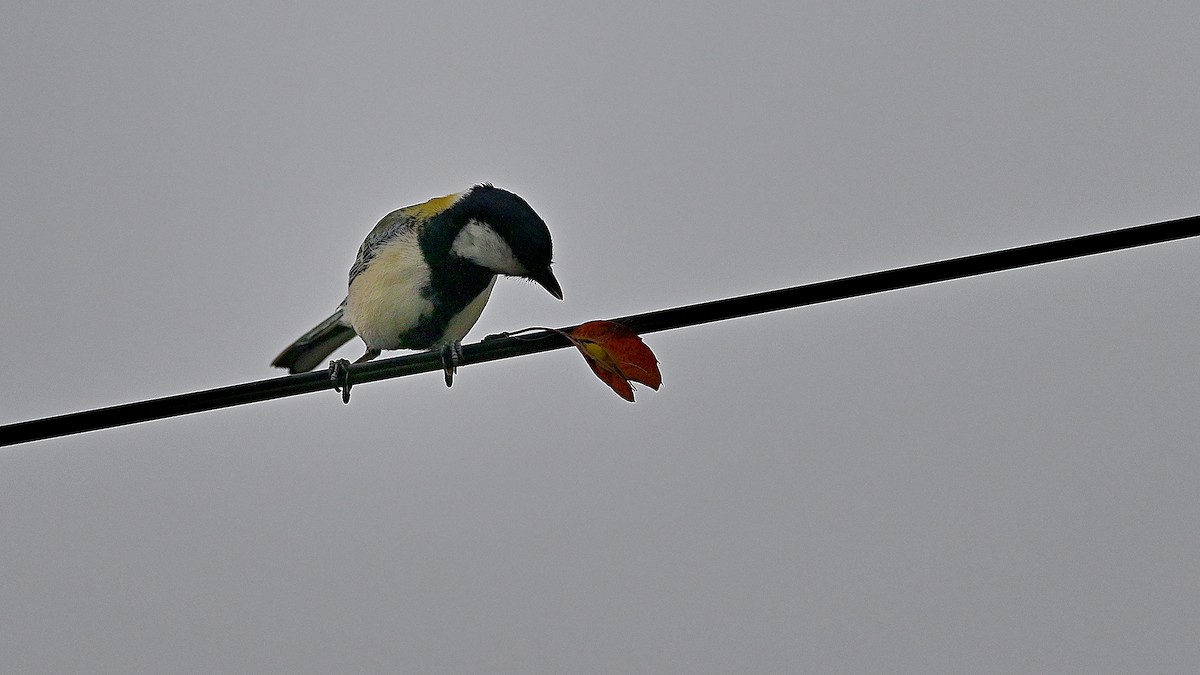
<point x="502" y="233"/>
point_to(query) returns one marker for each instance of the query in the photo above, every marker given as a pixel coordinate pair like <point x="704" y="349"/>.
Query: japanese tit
<point x="423" y="275"/>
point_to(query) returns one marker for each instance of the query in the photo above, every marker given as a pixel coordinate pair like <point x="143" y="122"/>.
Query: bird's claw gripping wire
<point x="339" y="374"/>
<point x="452" y="355"/>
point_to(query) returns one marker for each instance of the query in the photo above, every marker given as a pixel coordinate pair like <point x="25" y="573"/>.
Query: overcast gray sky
<point x="990" y="475"/>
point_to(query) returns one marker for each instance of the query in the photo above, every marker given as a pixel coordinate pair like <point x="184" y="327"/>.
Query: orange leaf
<point x="617" y="355"/>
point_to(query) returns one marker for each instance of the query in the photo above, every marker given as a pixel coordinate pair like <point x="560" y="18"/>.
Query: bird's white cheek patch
<point x="385" y="299"/>
<point x="481" y="245"/>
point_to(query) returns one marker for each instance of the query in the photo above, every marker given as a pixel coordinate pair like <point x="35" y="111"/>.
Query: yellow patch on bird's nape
<point x="431" y="208"/>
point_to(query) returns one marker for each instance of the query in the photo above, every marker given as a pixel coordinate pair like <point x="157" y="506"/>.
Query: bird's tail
<point x="311" y="349"/>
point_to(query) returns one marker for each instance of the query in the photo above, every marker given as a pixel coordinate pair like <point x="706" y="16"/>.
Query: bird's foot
<point x="339" y="374"/>
<point x="452" y="355"/>
<point x="367" y="355"/>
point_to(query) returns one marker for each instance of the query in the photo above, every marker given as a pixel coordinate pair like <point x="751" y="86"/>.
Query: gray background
<point x="990" y="475"/>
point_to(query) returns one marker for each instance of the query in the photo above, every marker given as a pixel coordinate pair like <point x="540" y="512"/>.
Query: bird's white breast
<point x="461" y="324"/>
<point x="385" y="300"/>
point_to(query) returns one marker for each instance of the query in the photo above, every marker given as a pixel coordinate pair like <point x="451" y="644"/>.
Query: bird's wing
<point x="396" y="222"/>
<point x="391" y="225"/>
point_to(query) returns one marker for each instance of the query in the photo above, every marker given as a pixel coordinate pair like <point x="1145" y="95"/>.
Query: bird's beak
<point x="546" y="279"/>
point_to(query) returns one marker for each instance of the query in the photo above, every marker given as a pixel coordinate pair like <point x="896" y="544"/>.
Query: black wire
<point x="492" y="349"/>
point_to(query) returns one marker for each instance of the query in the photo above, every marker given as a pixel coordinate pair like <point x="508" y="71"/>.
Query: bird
<point x="424" y="273"/>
